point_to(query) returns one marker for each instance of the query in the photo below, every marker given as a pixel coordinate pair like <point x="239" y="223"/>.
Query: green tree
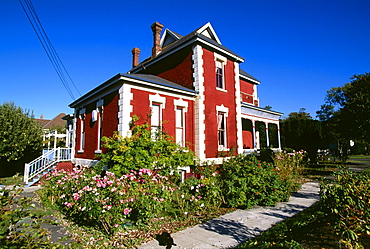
<point x="300" y="131"/>
<point x="20" y="138"/>
<point x="346" y="112"/>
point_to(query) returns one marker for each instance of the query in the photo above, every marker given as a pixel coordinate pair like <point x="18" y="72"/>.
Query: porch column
<point x="278" y="130"/>
<point x="254" y="134"/>
<point x="267" y="135"/>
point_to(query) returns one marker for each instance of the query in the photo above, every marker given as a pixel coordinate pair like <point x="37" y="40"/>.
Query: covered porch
<point x="260" y="128"/>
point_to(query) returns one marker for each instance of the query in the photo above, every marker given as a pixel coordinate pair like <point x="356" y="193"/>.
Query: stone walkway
<point x="232" y="229"/>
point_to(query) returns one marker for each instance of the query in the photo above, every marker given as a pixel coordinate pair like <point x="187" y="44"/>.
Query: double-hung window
<point x="220" y="63"/>
<point x="157" y="104"/>
<point x="220" y="75"/>
<point x="82" y="130"/>
<point x="221" y="129"/>
<point x="97" y="116"/>
<point x="180" y="134"/>
<point x="222" y="113"/>
<point x="156" y="120"/>
<point x="181" y="107"/>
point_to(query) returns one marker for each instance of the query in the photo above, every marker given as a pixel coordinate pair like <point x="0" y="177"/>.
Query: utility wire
<point x="48" y="47"/>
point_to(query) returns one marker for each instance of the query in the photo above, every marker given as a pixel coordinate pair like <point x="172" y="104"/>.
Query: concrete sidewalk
<point x="232" y="229"/>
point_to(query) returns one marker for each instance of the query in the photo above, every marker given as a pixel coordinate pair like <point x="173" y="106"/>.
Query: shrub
<point x="141" y="150"/>
<point x="105" y="200"/>
<point x="348" y="198"/>
<point x="20" y="227"/>
<point x="290" y="166"/>
<point x="248" y="182"/>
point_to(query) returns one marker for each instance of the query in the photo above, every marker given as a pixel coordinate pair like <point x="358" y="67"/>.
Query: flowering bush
<point x="290" y="165"/>
<point x="348" y="198"/>
<point x="106" y="200"/>
<point x="248" y="182"/>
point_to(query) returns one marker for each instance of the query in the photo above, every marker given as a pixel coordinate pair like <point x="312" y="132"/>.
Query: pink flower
<point x="108" y="207"/>
<point x="76" y="196"/>
<point x="126" y="211"/>
<point x="86" y="188"/>
<point x="113" y="189"/>
<point x="68" y="204"/>
<point x="115" y="225"/>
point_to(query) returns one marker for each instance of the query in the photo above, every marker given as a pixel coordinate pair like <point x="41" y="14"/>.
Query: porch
<point x="260" y="129"/>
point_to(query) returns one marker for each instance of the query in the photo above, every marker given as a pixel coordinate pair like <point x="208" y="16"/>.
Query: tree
<point x="20" y="138"/>
<point x="300" y="131"/>
<point x="346" y="112"/>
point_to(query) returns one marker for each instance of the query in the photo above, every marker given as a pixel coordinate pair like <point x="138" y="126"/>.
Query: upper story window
<point x="220" y="75"/>
<point x="220" y="62"/>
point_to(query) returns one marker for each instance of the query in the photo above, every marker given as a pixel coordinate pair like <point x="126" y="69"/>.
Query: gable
<point x="169" y="37"/>
<point x="208" y="31"/>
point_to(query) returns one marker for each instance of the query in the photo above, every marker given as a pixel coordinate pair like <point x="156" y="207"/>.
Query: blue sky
<point x="298" y="49"/>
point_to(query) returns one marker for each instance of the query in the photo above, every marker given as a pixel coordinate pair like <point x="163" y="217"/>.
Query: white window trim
<point x="225" y="111"/>
<point x="160" y="117"/>
<point x="157" y="99"/>
<point x="222" y="108"/>
<point x="180" y="103"/>
<point x="182" y="127"/>
<point x="223" y="61"/>
<point x="82" y="130"/>
<point x="99" y="112"/>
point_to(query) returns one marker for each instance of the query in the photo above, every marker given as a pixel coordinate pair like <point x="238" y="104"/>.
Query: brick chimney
<point x="135" y="56"/>
<point x="157" y="29"/>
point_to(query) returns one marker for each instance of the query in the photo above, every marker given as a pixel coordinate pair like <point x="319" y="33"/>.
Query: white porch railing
<point x="34" y="170"/>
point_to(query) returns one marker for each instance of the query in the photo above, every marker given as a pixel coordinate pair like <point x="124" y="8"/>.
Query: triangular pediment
<point x="169" y="37"/>
<point x="208" y="31"/>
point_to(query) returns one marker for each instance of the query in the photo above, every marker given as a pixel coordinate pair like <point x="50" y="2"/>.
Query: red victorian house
<point x="191" y="82"/>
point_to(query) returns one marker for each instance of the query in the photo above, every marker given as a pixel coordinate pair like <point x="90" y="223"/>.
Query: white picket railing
<point x="38" y="167"/>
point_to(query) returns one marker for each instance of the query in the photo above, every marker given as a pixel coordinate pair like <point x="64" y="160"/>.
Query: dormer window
<point x="220" y="74"/>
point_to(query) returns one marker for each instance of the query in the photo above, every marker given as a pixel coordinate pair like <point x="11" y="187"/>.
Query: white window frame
<point x="156" y="100"/>
<point x="222" y="111"/>
<point x="99" y="120"/>
<point x="82" y="130"/>
<point x="180" y="126"/>
<point x="182" y="105"/>
<point x="156" y="119"/>
<point x="220" y="62"/>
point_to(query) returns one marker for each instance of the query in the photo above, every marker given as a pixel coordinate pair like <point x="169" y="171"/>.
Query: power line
<point x="48" y="47"/>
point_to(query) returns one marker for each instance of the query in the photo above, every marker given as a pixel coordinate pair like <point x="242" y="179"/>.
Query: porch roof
<point x="258" y="112"/>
